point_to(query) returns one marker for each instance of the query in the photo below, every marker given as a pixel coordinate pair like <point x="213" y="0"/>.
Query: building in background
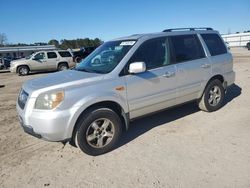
<point x="237" y="40"/>
<point x="23" y="51"/>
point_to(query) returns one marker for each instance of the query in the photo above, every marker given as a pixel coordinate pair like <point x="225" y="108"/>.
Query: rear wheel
<point x="78" y="59"/>
<point x="213" y="96"/>
<point x="63" y="66"/>
<point x="23" y="70"/>
<point x="98" y="131"/>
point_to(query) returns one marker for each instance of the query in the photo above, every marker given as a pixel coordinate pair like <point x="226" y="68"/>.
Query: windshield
<point x="105" y="58"/>
<point x="29" y="56"/>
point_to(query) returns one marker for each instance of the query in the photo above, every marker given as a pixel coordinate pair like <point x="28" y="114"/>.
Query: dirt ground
<point x="180" y="147"/>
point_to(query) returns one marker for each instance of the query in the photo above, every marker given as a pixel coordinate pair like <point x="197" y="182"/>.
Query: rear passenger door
<point x="154" y="89"/>
<point x="52" y="60"/>
<point x="193" y="67"/>
<point x="221" y="60"/>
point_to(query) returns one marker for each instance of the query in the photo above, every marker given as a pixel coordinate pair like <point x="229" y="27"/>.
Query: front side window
<point x="186" y="48"/>
<point x="154" y="53"/>
<point x="214" y="44"/>
<point x="105" y="58"/>
<point x="51" y="55"/>
<point x="40" y="56"/>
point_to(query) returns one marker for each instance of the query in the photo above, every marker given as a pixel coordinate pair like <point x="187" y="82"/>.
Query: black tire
<point x="62" y="66"/>
<point x="209" y="96"/>
<point x="23" y="70"/>
<point x="78" y="59"/>
<point x="86" y="123"/>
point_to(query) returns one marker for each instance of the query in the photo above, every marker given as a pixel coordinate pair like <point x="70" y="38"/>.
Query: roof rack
<point x="188" y="28"/>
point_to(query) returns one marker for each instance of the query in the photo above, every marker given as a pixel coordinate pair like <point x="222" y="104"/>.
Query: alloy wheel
<point x="100" y="133"/>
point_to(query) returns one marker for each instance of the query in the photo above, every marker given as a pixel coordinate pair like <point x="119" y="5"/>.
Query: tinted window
<point x="51" y="55"/>
<point x="215" y="44"/>
<point x="40" y="56"/>
<point x="186" y="48"/>
<point x="65" y="54"/>
<point x="154" y="53"/>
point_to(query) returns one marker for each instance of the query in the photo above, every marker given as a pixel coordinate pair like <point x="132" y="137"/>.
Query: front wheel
<point x="23" y="70"/>
<point x="98" y="131"/>
<point x="213" y="96"/>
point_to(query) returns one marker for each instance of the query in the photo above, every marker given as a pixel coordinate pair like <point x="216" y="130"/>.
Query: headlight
<point x="49" y="101"/>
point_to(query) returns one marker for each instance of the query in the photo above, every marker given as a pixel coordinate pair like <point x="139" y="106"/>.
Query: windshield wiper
<point x="88" y="70"/>
<point x="98" y="72"/>
<point x="82" y="70"/>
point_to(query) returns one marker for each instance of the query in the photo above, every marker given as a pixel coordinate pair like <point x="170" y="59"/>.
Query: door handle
<point x="168" y="74"/>
<point x="205" y="66"/>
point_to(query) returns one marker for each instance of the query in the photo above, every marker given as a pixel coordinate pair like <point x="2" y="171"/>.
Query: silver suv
<point x="43" y="61"/>
<point x="91" y="104"/>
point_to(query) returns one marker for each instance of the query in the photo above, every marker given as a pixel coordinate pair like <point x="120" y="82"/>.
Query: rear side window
<point x="186" y="48"/>
<point x="214" y="43"/>
<point x="65" y="54"/>
<point x="154" y="52"/>
<point x="51" y="55"/>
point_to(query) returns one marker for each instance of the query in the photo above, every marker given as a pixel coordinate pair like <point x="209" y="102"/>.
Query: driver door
<point x="154" y="89"/>
<point x="38" y="62"/>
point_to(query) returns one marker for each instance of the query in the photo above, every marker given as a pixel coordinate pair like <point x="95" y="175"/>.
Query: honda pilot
<point x="92" y="104"/>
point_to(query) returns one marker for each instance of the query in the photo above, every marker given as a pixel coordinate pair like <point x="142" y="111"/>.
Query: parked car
<point x="82" y="53"/>
<point x="4" y="63"/>
<point x="90" y="105"/>
<point x="248" y="45"/>
<point x="43" y="61"/>
<point x="1" y="64"/>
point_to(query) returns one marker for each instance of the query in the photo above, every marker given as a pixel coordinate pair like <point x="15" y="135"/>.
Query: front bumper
<point x="51" y="125"/>
<point x="29" y="130"/>
<point x="13" y="69"/>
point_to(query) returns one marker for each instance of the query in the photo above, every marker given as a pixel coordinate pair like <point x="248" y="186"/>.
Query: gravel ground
<point x="180" y="147"/>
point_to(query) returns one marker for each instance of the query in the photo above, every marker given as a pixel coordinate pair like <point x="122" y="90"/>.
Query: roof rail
<point x="188" y="28"/>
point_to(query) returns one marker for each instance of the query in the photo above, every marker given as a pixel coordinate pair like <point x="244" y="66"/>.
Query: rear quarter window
<point x="214" y="44"/>
<point x="65" y="54"/>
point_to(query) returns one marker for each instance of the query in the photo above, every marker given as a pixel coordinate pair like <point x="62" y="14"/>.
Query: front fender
<point x="88" y="101"/>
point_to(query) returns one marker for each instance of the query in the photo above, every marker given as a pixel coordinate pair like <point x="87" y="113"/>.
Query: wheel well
<point x="22" y="66"/>
<point x="63" y="62"/>
<point x="215" y="77"/>
<point x="105" y="104"/>
<point x="218" y="77"/>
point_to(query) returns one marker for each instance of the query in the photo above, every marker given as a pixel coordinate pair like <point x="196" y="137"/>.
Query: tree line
<point x="76" y="43"/>
<point x="62" y="44"/>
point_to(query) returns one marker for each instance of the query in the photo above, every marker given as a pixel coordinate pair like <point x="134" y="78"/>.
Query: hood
<point x="13" y="62"/>
<point x="61" y="80"/>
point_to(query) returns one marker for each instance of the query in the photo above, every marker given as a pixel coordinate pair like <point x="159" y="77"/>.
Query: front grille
<point x="22" y="98"/>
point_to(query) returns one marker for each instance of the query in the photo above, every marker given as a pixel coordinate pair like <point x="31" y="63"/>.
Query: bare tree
<point x="3" y="39"/>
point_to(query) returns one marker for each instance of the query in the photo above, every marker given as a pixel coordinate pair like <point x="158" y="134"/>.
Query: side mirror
<point x="137" y="67"/>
